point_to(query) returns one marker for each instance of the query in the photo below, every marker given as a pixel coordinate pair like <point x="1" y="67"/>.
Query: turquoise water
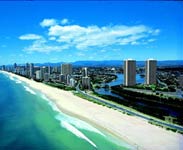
<point x="29" y="120"/>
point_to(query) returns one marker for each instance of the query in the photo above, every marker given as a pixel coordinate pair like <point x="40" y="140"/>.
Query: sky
<point x="53" y="31"/>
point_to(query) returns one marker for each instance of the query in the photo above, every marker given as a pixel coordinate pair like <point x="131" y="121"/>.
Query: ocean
<point x="30" y="121"/>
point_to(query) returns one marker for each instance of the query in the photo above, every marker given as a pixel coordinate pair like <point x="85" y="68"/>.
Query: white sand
<point x="130" y="128"/>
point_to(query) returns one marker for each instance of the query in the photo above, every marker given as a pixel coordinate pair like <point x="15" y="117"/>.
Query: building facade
<point x="86" y="82"/>
<point x="150" y="71"/>
<point x="31" y="70"/>
<point x="129" y="72"/>
<point x="66" y="69"/>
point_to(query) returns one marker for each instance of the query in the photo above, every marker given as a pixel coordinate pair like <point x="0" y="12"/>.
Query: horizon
<point x="62" y="62"/>
<point x="43" y="32"/>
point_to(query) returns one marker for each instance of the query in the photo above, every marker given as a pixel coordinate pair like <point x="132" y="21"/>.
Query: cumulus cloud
<point x="83" y="37"/>
<point x="48" y="22"/>
<point x="64" y="21"/>
<point x="61" y="36"/>
<point x="43" y="46"/>
<point x="30" y="37"/>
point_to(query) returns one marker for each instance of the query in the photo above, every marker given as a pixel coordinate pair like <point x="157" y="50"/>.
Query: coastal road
<point x="156" y="121"/>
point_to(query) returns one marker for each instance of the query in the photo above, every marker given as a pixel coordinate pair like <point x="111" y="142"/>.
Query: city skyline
<point x="72" y="31"/>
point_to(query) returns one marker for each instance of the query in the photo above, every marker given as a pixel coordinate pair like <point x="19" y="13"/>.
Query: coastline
<point x="127" y="128"/>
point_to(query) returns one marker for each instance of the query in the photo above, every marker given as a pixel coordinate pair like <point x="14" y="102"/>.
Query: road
<point x="172" y="126"/>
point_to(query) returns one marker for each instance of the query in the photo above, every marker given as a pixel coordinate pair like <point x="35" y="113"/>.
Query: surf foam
<point x="29" y="90"/>
<point x="76" y="132"/>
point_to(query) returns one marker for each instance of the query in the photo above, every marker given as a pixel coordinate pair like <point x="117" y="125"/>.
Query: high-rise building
<point x="86" y="82"/>
<point x="14" y="67"/>
<point x="62" y="78"/>
<point x="68" y="77"/>
<point x="38" y="75"/>
<point x="55" y="70"/>
<point x="84" y="72"/>
<point x="150" y="69"/>
<point x="129" y="72"/>
<point x="72" y="82"/>
<point x="27" y="70"/>
<point x="49" y="70"/>
<point x="46" y="77"/>
<point x="3" y="67"/>
<point x="66" y="69"/>
<point x="31" y="70"/>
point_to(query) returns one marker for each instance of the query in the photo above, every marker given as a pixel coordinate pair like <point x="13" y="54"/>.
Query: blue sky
<point x="36" y="31"/>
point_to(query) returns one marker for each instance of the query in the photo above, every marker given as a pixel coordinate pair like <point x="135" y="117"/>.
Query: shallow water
<point x="29" y="120"/>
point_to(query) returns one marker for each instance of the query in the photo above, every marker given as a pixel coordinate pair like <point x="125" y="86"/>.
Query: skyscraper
<point x="66" y="69"/>
<point x="150" y="70"/>
<point x="84" y="72"/>
<point x="129" y="72"/>
<point x="86" y="82"/>
<point x="31" y="70"/>
<point x="14" y="67"/>
<point x="49" y="70"/>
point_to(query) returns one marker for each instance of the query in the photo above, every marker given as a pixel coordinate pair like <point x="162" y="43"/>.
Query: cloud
<point x="43" y="46"/>
<point x="48" y="22"/>
<point x="151" y="40"/>
<point x="80" y="54"/>
<point x="84" y="37"/>
<point x="30" y="37"/>
<point x="61" y="36"/>
<point x="64" y="21"/>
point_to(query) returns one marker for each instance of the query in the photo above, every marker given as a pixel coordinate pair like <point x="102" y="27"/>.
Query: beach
<point x="132" y="129"/>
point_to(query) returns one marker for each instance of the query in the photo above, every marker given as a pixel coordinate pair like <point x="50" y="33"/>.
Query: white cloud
<point x="48" y="22"/>
<point x="61" y="36"/>
<point x="64" y="21"/>
<point x="151" y="40"/>
<point x="30" y="37"/>
<point x="43" y="46"/>
<point x="80" y="54"/>
<point x="52" y="38"/>
<point x="83" y="37"/>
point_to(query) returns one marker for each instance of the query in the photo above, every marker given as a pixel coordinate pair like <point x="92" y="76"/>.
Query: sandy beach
<point x="130" y="128"/>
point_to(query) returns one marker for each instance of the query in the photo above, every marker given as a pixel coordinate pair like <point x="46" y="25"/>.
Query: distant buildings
<point x="150" y="71"/>
<point x="180" y="81"/>
<point x="3" y="68"/>
<point x="129" y="72"/>
<point x="66" y="69"/>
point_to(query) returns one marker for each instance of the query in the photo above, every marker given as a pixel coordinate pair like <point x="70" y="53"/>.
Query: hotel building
<point x="129" y="72"/>
<point x="150" y="69"/>
<point x="66" y="69"/>
<point x="31" y="70"/>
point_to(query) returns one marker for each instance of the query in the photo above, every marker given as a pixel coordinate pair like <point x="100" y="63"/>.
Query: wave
<point x="44" y="97"/>
<point x="77" y="123"/>
<point x="29" y="90"/>
<point x="54" y="107"/>
<point x="11" y="78"/>
<point x="74" y="121"/>
<point x="76" y="132"/>
<point x="18" y="81"/>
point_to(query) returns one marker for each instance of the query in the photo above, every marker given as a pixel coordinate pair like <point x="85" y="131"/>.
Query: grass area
<point x="91" y="100"/>
<point x="60" y="86"/>
<point x="152" y="121"/>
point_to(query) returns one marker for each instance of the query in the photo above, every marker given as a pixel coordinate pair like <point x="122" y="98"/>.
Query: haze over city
<point x="64" y="31"/>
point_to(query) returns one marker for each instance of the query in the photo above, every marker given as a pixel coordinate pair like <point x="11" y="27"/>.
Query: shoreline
<point x="129" y="129"/>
